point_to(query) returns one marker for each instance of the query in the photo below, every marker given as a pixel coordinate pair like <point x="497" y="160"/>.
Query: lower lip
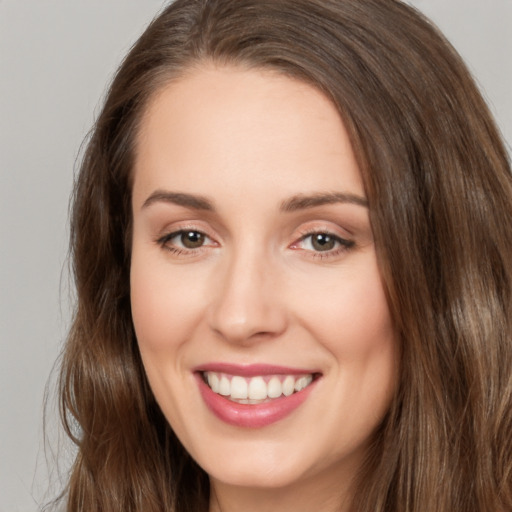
<point x="251" y="416"/>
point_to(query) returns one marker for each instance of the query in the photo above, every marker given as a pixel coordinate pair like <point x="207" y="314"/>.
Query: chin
<point x="248" y="475"/>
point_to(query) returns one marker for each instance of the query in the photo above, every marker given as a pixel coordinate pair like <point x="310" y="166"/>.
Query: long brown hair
<point x="439" y="185"/>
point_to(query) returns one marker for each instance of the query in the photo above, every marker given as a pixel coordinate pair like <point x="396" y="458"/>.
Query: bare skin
<point x="252" y="245"/>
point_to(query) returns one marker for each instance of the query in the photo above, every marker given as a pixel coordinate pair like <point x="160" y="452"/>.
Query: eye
<point x="323" y="242"/>
<point x="184" y="240"/>
<point x="191" y="239"/>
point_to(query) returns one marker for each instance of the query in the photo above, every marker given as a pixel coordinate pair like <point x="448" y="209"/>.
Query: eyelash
<point x="342" y="243"/>
<point x="163" y="242"/>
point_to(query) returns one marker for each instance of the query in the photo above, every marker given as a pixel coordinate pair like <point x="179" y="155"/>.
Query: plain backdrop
<point x="56" y="58"/>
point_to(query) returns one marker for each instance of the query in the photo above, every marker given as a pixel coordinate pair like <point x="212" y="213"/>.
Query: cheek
<point x="351" y="320"/>
<point x="164" y="305"/>
<point x="164" y="312"/>
<point x="366" y="323"/>
<point x="349" y="314"/>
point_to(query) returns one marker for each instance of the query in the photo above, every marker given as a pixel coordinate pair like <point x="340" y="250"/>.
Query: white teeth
<point x="303" y="382"/>
<point x="238" y="388"/>
<point x="275" y="389"/>
<point x="224" y="386"/>
<point x="288" y="385"/>
<point x="256" y="389"/>
<point x="213" y="381"/>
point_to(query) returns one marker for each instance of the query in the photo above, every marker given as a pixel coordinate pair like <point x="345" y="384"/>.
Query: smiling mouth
<point x="257" y="389"/>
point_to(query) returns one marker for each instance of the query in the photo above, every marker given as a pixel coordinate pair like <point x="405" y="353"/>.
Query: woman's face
<point x="254" y="268"/>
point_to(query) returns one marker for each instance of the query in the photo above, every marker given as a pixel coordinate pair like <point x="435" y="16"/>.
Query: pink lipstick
<point x="253" y="396"/>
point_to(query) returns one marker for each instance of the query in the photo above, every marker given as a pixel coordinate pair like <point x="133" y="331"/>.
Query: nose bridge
<point x="247" y="304"/>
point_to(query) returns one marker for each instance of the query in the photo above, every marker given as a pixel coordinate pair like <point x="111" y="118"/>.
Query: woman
<point x="292" y="236"/>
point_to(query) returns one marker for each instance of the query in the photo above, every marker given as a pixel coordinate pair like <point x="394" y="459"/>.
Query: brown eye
<point x="186" y="242"/>
<point x="323" y="242"/>
<point x="192" y="239"/>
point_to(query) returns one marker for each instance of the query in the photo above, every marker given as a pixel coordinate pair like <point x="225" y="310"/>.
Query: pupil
<point x="323" y="242"/>
<point x="192" y="239"/>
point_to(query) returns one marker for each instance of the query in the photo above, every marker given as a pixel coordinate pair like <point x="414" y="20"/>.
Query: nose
<point x="247" y="305"/>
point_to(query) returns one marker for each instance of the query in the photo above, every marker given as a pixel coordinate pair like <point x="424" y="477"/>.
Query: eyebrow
<point x="303" y="202"/>
<point x="181" y="199"/>
<point x="295" y="203"/>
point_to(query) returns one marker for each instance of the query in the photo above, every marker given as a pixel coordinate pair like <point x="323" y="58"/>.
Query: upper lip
<point x="252" y="370"/>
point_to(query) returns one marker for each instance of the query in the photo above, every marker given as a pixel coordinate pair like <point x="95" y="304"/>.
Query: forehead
<point x="247" y="129"/>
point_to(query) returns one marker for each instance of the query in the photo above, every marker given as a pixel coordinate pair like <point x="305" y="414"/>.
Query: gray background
<point x="56" y="57"/>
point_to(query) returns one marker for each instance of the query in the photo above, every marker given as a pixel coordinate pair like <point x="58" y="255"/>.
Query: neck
<point x="322" y="494"/>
